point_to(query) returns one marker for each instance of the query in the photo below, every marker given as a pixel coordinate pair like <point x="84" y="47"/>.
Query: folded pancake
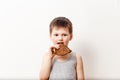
<point x="63" y="50"/>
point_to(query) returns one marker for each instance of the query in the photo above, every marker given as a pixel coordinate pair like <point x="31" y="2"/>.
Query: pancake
<point x="63" y="50"/>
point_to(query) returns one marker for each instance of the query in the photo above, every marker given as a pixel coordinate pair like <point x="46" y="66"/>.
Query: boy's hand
<point x="51" y="50"/>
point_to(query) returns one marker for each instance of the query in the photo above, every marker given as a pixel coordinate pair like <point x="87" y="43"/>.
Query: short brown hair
<point x="61" y="22"/>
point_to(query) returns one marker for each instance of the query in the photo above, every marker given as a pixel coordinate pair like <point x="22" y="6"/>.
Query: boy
<point x="56" y="67"/>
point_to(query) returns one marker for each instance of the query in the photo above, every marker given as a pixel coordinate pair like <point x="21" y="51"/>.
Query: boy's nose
<point x="60" y="38"/>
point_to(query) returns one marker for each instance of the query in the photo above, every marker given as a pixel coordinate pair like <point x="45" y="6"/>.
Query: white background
<point x="24" y="35"/>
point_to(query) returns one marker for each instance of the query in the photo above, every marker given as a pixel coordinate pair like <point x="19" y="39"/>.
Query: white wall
<point x="24" y="35"/>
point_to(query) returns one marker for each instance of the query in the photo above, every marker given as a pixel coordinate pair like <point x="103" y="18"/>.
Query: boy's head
<point x="61" y="22"/>
<point x="61" y="30"/>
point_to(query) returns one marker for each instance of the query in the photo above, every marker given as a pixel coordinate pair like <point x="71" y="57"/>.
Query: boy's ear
<point x="71" y="36"/>
<point x="50" y="36"/>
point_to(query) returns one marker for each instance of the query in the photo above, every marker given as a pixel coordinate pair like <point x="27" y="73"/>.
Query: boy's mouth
<point x="60" y="42"/>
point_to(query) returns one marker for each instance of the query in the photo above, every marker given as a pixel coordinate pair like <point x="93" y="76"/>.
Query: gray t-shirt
<point x="65" y="70"/>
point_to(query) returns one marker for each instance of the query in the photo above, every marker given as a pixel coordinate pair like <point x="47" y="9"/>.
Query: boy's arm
<point x="79" y="68"/>
<point x="45" y="67"/>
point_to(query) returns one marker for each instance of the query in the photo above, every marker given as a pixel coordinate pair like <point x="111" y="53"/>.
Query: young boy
<point x="56" y="67"/>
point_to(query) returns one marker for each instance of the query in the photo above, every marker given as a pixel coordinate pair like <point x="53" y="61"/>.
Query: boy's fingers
<point x="56" y="46"/>
<point x="52" y="50"/>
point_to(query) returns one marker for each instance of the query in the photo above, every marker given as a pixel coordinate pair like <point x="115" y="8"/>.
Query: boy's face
<point x="60" y="36"/>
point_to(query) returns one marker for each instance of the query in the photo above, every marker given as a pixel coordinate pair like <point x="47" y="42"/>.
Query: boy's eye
<point x="55" y="34"/>
<point x="64" y="34"/>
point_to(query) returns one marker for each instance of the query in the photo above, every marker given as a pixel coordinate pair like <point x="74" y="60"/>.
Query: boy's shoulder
<point x="78" y="56"/>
